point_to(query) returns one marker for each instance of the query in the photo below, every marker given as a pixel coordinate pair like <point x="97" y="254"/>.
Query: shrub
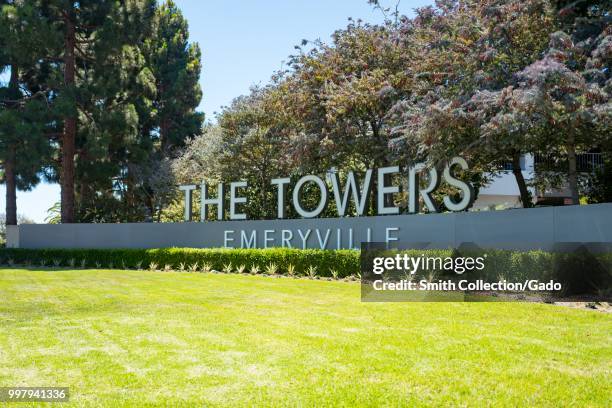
<point x="311" y="271"/>
<point x="345" y="262"/>
<point x="271" y="268"/>
<point x="314" y="263"/>
<point x="290" y="270"/>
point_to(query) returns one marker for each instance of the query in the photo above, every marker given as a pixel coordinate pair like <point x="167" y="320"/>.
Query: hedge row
<point x="324" y="263"/>
<point x="582" y="271"/>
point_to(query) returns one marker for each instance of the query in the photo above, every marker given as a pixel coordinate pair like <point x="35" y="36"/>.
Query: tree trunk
<point x="573" y="173"/>
<point x="81" y="199"/>
<point x="159" y="215"/>
<point x="70" y="127"/>
<point x="11" y="187"/>
<point x="10" y="177"/>
<point x="520" y="180"/>
<point x="155" y="215"/>
<point x="164" y="130"/>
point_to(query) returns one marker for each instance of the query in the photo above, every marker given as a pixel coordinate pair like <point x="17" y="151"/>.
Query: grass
<point x="134" y="338"/>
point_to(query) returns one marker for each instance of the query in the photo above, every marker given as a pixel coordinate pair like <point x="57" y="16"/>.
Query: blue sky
<point x="243" y="42"/>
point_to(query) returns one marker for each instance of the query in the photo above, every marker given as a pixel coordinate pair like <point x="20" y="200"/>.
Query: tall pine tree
<point x="24" y="113"/>
<point x="93" y="34"/>
<point x="176" y="65"/>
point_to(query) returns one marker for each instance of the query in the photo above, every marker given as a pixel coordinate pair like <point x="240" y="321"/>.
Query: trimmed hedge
<point x="581" y="272"/>
<point x="327" y="262"/>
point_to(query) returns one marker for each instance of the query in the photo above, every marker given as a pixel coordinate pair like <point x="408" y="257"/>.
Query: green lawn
<point x="120" y="338"/>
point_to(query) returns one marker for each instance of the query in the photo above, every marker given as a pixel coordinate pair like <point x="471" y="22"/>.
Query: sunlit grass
<point x="121" y="338"/>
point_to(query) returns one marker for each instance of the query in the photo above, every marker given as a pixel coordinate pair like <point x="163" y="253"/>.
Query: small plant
<point x="182" y="266"/>
<point x="271" y="268"/>
<point x="153" y="266"/>
<point x="194" y="267"/>
<point x="83" y="263"/>
<point x="334" y="273"/>
<point x="254" y="270"/>
<point x="311" y="271"/>
<point x="111" y="265"/>
<point x="71" y="262"/>
<point x="167" y="267"/>
<point x="10" y="262"/>
<point x="206" y="267"/>
<point x="409" y="277"/>
<point x="431" y="277"/>
<point x="139" y="265"/>
<point x="27" y="262"/>
<point x="42" y="262"/>
<point x="123" y="264"/>
<point x="240" y="269"/>
<point x="291" y="270"/>
<point x="98" y="265"/>
<point x="56" y="262"/>
<point x="227" y="268"/>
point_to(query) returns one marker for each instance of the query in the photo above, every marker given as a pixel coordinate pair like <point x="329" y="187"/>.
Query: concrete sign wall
<point x="520" y="228"/>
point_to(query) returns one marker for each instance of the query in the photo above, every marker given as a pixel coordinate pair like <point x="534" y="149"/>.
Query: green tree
<point x="469" y="55"/>
<point x="601" y="187"/>
<point x="168" y="118"/>
<point x="175" y="64"/>
<point x="336" y="97"/>
<point x="24" y="143"/>
<point x="490" y="80"/>
<point x="109" y="139"/>
<point x="87" y="38"/>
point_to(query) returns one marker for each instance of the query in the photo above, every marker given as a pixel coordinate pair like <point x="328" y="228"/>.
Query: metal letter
<point x="360" y="197"/>
<point x="388" y="231"/>
<point x="251" y="242"/>
<point x="267" y="238"/>
<point x="237" y="200"/>
<point x="304" y="237"/>
<point x="383" y="190"/>
<point x="414" y="189"/>
<point x="287" y="236"/>
<point x="296" y="196"/>
<point x="323" y="242"/>
<point x="466" y="189"/>
<point x="226" y="238"/>
<point x="188" y="189"/>
<point x="205" y="202"/>
<point x="281" y="195"/>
